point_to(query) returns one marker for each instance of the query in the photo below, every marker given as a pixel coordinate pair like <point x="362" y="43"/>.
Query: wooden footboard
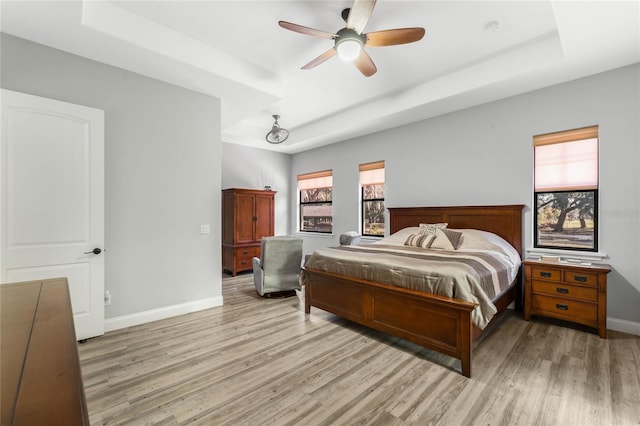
<point x="435" y="322"/>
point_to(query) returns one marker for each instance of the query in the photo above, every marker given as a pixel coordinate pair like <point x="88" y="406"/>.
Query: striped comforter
<point x="473" y="276"/>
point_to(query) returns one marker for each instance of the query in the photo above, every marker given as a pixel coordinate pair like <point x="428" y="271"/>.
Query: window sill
<point x="314" y="234"/>
<point x="569" y="255"/>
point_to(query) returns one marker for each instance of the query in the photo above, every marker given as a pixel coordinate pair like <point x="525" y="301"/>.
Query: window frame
<point x="567" y="187"/>
<point x="376" y="165"/>
<point x="301" y="204"/>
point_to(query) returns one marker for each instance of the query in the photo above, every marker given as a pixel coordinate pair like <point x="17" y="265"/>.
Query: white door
<point x="52" y="213"/>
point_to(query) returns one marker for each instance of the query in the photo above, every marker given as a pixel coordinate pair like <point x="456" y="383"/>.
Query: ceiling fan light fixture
<point x="277" y="134"/>
<point x="348" y="44"/>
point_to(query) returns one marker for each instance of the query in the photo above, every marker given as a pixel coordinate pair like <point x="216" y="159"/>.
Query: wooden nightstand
<point x="566" y="291"/>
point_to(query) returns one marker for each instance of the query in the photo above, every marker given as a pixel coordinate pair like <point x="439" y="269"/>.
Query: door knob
<point x="94" y="251"/>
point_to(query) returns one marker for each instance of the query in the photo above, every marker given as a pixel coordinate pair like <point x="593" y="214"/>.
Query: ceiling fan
<point x="349" y="42"/>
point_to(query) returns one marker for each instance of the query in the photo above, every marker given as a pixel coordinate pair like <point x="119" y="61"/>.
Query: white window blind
<point x="372" y="173"/>
<point x="566" y="160"/>
<point x="322" y="179"/>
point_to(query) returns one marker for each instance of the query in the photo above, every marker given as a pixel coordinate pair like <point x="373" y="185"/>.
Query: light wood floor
<point x="260" y="361"/>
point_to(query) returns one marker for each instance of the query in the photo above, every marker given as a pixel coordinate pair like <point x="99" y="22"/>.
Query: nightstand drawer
<point x="587" y="294"/>
<point x="546" y="274"/>
<point x="565" y="309"/>
<point x="581" y="278"/>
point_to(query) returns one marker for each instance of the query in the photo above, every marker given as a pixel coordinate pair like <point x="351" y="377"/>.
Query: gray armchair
<point x="278" y="268"/>
<point x="351" y="238"/>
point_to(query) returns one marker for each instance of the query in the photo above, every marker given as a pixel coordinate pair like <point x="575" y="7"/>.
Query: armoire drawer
<point x="247" y="252"/>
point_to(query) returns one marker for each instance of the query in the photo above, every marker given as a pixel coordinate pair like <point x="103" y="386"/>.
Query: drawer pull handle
<point x="562" y="307"/>
<point x="244" y="262"/>
<point x="245" y="252"/>
<point x="580" y="278"/>
<point x="562" y="290"/>
<point x="545" y="274"/>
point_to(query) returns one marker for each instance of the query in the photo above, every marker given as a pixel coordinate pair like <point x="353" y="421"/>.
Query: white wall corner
<point x="623" y="326"/>
<point x="131" y="320"/>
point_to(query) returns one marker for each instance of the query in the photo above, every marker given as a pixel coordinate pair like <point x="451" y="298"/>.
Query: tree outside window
<point x="566" y="220"/>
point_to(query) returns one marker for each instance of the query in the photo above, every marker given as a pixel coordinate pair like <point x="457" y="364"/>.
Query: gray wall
<point x="162" y="174"/>
<point x="484" y="155"/>
<point x="245" y="167"/>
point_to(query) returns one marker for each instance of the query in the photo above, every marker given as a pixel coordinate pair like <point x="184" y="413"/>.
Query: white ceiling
<point x="236" y="51"/>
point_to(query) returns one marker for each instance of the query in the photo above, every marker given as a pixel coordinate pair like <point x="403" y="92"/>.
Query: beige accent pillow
<point x="446" y="239"/>
<point x="430" y="228"/>
<point x="419" y="240"/>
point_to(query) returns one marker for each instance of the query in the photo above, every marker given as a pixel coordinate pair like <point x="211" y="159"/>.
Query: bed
<point x="445" y="322"/>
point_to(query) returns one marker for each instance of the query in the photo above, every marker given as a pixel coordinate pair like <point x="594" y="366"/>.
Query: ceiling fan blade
<point x="306" y="30"/>
<point x="320" y="59"/>
<point x="393" y="37"/>
<point x="365" y="64"/>
<point x="359" y="14"/>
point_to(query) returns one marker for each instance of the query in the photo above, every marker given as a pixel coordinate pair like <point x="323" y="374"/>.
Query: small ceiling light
<point x="277" y="134"/>
<point x="491" y="27"/>
<point x="349" y="44"/>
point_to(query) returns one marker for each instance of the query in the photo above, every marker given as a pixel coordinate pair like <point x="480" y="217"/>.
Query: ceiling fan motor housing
<point x="345" y="14"/>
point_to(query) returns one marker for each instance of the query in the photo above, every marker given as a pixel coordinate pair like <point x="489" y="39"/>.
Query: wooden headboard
<point x="505" y="221"/>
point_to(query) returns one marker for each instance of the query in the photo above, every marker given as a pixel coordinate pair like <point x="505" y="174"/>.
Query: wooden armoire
<point x="247" y="216"/>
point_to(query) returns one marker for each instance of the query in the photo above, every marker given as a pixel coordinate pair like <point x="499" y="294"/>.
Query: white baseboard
<point x="130" y="320"/>
<point x="124" y="321"/>
<point x="623" y="326"/>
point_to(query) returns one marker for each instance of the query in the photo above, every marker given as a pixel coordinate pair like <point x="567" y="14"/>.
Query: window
<point x="372" y="196"/>
<point x="316" y="193"/>
<point x="566" y="189"/>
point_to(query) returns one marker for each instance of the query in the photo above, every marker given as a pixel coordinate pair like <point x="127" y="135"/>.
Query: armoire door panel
<point x="245" y="222"/>
<point x="264" y="216"/>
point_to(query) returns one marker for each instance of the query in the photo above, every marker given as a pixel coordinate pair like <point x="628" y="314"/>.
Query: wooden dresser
<point x="41" y="381"/>
<point x="570" y="292"/>
<point x="247" y="216"/>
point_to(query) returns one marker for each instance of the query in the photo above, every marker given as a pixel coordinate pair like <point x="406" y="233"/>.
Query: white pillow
<point x="475" y="239"/>
<point x="446" y="239"/>
<point x="430" y="228"/>
<point x="398" y="238"/>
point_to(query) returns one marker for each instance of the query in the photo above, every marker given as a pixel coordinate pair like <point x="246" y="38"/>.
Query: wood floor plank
<point x="261" y="361"/>
<point x="625" y="377"/>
